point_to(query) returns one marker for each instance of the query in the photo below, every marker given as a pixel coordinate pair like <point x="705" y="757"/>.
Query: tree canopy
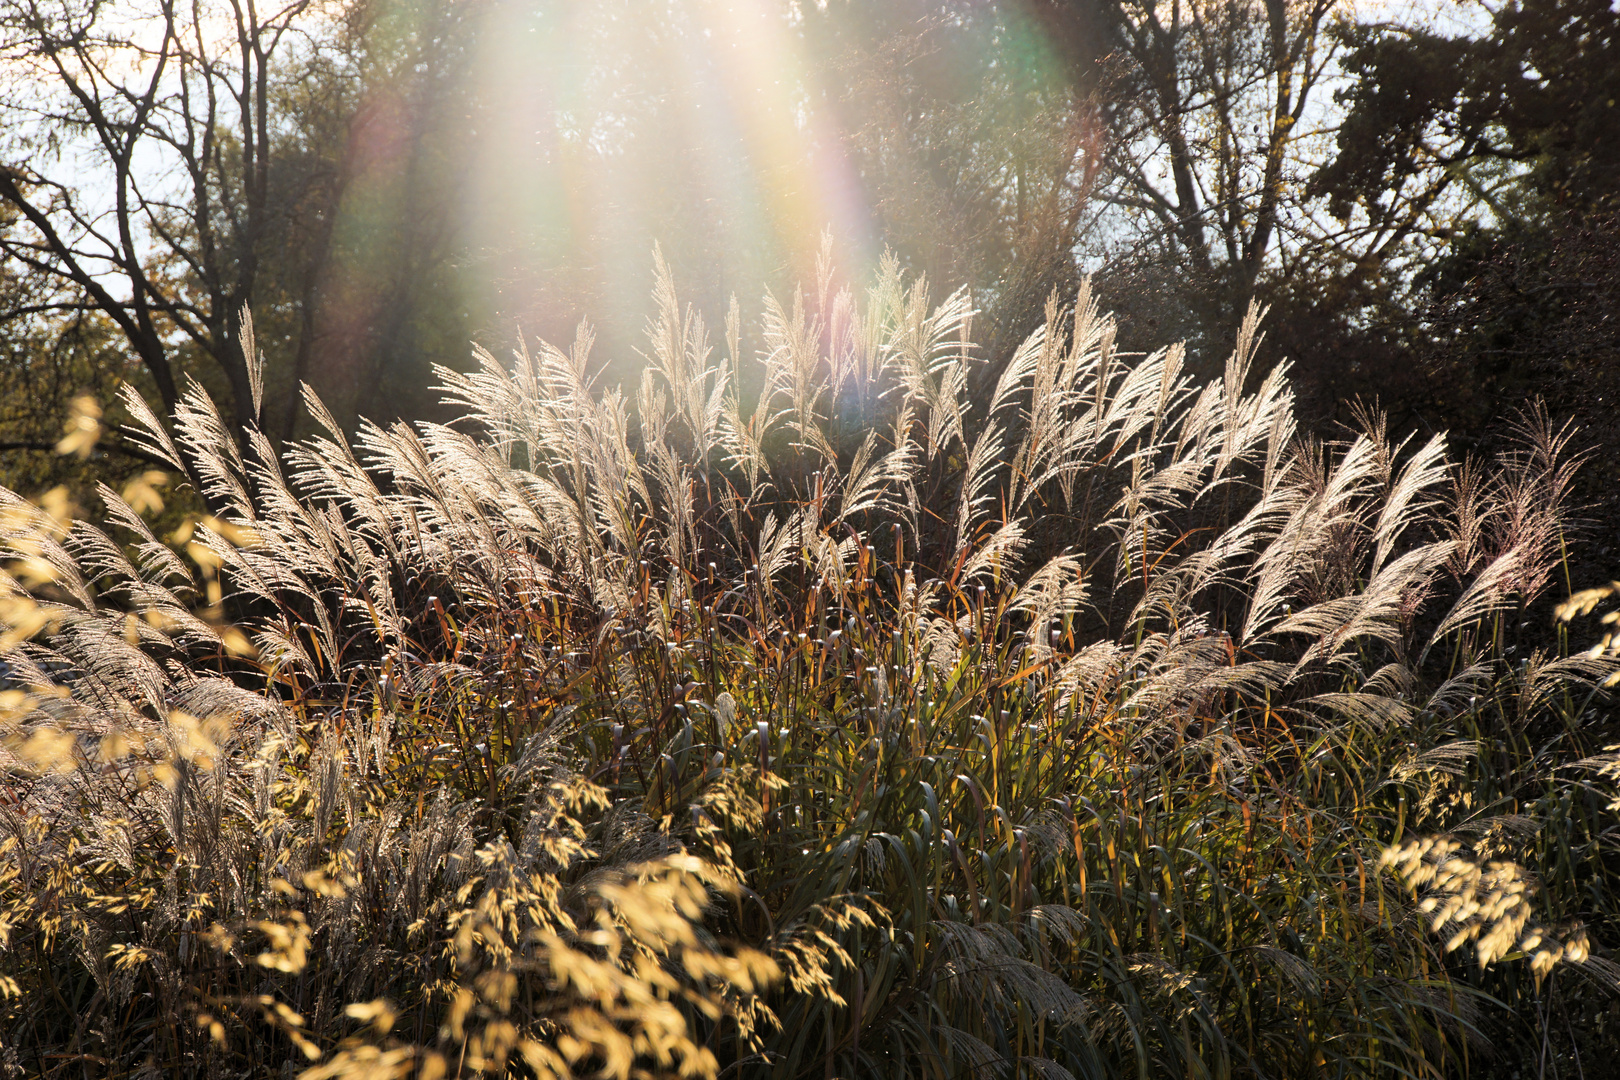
<point x="384" y="180"/>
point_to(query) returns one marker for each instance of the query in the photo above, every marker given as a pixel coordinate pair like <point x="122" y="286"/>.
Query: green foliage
<point x="854" y="731"/>
<point x="1537" y="91"/>
<point x="1516" y="129"/>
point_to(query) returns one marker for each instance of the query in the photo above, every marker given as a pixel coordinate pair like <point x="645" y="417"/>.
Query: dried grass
<point x="848" y="731"/>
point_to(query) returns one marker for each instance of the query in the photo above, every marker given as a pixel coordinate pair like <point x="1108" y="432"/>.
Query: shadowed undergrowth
<point x="845" y="725"/>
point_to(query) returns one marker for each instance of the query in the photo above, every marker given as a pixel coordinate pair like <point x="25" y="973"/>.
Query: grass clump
<point x="879" y="726"/>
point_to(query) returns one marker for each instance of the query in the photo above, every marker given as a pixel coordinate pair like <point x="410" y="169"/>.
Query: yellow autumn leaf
<point x="236" y="643"/>
<point x="58" y="503"/>
<point x="47" y="749"/>
<point x="83" y="427"/>
<point x="141" y="493"/>
<point x="379" y="1013"/>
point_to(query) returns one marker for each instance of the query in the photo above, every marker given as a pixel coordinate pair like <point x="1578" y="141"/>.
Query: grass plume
<point x="857" y="729"/>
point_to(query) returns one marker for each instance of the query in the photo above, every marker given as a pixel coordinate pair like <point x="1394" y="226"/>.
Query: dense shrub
<point x="849" y="732"/>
